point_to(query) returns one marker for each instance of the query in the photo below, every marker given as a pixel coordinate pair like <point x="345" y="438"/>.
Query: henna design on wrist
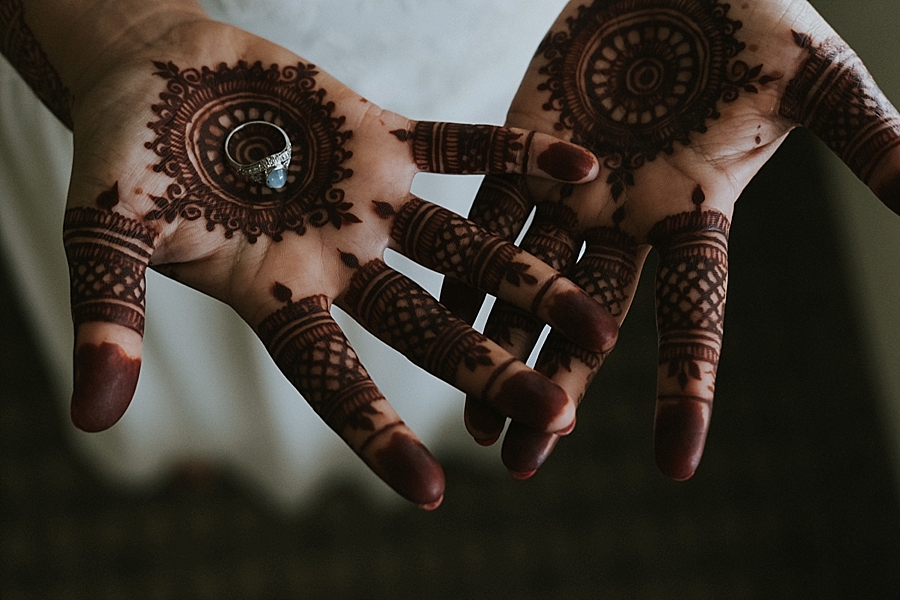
<point x="691" y="283"/>
<point x="198" y="109"/>
<point x="108" y="256"/>
<point x="312" y="352"/>
<point x="633" y="78"/>
<point x="406" y="317"/>
<point x="834" y="95"/>
<point x="460" y="149"/>
<point x="24" y="52"/>
<point x="447" y="243"/>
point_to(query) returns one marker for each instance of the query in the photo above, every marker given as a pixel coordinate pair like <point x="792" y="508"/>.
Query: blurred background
<point x="797" y="495"/>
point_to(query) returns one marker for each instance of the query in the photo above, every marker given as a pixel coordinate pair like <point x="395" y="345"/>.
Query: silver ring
<point x="271" y="170"/>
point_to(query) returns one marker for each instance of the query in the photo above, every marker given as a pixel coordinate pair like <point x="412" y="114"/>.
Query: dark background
<point x="795" y="497"/>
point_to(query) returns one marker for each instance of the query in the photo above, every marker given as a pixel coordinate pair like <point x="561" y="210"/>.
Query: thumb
<point x="108" y="256"/>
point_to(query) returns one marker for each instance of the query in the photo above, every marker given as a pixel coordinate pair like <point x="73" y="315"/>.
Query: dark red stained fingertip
<point x="407" y="466"/>
<point x="105" y="380"/>
<point x="530" y="397"/>
<point x="483" y="423"/>
<point x="890" y="194"/>
<point x="584" y="321"/>
<point x="680" y="435"/>
<point x="525" y="450"/>
<point x="565" y="162"/>
<point x="461" y="299"/>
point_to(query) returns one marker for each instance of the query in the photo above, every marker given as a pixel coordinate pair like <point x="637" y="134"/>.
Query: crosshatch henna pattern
<point x="461" y="149"/>
<point x="108" y="256"/>
<point x="198" y="109"/>
<point x="447" y="243"/>
<point x="633" y="78"/>
<point x="24" y="53"/>
<point x="502" y="205"/>
<point x="312" y="352"/>
<point x="835" y="96"/>
<point x="690" y="290"/>
<point x="406" y="317"/>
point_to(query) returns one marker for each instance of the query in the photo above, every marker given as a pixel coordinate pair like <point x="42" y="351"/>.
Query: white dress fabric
<point x="208" y="391"/>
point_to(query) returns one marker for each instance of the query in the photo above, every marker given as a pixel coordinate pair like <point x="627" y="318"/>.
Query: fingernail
<point x="533" y="399"/>
<point x="409" y="468"/>
<point x="566" y="162"/>
<point x="105" y="380"/>
<point x="584" y="321"/>
<point x="680" y="434"/>
<point x="525" y="450"/>
<point x="568" y="429"/>
<point x="522" y="475"/>
<point x="432" y="505"/>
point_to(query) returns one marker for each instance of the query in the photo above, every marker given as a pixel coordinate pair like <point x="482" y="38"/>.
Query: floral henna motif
<point x="447" y="243"/>
<point x="407" y="318"/>
<point x="21" y="48"/>
<point x="312" y="352"/>
<point x="631" y="78"/>
<point x="197" y="111"/>
<point x="108" y="255"/>
<point x="690" y="290"/>
<point x="834" y="95"/>
<point x="459" y="149"/>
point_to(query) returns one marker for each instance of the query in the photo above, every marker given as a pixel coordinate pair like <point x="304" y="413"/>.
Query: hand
<point x="683" y="102"/>
<point x="151" y="186"/>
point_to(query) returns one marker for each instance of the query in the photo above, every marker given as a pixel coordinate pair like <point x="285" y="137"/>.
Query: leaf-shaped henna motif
<point x="199" y="108"/>
<point x="312" y="352"/>
<point x="632" y="78"/>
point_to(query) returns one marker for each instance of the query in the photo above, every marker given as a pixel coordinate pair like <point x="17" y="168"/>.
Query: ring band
<point x="271" y="170"/>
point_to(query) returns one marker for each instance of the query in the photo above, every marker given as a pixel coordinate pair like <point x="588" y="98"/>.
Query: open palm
<point x="683" y="101"/>
<point x="151" y="185"/>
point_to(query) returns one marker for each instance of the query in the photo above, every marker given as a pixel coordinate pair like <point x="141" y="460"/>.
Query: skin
<point x="667" y="183"/>
<point x="151" y="90"/>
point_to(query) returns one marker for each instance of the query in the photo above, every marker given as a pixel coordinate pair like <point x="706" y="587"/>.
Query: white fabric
<point x="207" y="389"/>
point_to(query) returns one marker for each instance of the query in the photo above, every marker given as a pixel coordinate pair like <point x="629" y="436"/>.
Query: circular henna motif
<point x="199" y="109"/>
<point x="631" y="78"/>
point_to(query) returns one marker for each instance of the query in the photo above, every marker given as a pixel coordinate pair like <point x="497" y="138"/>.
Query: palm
<point x="151" y="185"/>
<point x="682" y="102"/>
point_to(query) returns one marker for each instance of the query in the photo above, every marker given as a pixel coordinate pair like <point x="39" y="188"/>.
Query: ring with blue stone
<point x="271" y="170"/>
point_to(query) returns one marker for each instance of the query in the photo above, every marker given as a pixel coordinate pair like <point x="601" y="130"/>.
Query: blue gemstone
<point x="276" y="179"/>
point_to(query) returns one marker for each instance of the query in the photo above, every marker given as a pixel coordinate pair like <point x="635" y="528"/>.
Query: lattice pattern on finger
<point x="502" y="205"/>
<point x="447" y="243"/>
<point x="460" y="149"/>
<point x="505" y="318"/>
<point x="835" y="96"/>
<point x="608" y="270"/>
<point x="313" y="353"/>
<point x="406" y="317"/>
<point x="551" y="237"/>
<point x="108" y="256"/>
<point x="690" y="289"/>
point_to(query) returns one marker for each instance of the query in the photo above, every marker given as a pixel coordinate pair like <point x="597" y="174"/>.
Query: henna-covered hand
<point x="151" y="187"/>
<point x="683" y="101"/>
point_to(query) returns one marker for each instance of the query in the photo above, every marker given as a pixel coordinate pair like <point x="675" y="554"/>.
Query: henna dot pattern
<point x="198" y="109"/>
<point x="632" y="78"/>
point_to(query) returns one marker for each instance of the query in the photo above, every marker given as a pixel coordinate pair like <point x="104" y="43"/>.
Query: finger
<point x="453" y="148"/>
<point x="608" y="271"/>
<point x="447" y="243"/>
<point x="691" y="283"/>
<point x="834" y="95"/>
<point x="501" y="207"/>
<point x="313" y="353"/>
<point x="406" y="317"/>
<point x="107" y="256"/>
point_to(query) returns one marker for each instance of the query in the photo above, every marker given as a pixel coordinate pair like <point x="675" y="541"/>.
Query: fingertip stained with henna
<point x="408" y="467"/>
<point x="566" y="162"/>
<point x="530" y="397"/>
<point x="584" y="321"/>
<point x="679" y="438"/>
<point x="105" y="380"/>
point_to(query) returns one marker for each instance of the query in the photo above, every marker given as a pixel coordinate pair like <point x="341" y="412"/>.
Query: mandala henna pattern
<point x="407" y="318"/>
<point x="21" y="48"/>
<point x="690" y="290"/>
<point x="198" y="109"/>
<point x="460" y="149"/>
<point x="633" y="78"/>
<point x="835" y="96"/>
<point x="312" y="352"/>
<point x="108" y="256"/>
<point x="447" y="243"/>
